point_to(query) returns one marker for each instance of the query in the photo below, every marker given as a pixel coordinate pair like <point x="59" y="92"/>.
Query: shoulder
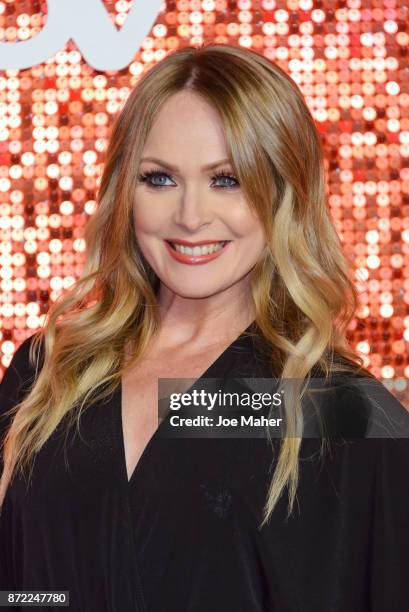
<point x="18" y="377"/>
<point x="358" y="405"/>
<point x="350" y="404"/>
<point x="20" y="367"/>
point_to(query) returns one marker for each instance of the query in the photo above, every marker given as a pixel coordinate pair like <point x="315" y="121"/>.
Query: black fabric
<point x="182" y="535"/>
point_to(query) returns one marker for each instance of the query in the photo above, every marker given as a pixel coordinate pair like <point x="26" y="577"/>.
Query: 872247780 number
<point x="34" y="598"/>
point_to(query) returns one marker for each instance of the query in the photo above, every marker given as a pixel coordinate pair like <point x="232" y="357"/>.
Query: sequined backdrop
<point x="350" y="59"/>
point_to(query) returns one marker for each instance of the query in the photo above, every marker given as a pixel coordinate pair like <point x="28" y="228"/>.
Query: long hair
<point x="303" y="296"/>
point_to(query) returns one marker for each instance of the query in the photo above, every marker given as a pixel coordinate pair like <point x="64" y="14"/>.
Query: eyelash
<point x="144" y="178"/>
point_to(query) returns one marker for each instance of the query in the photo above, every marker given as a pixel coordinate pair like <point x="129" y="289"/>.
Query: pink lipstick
<point x="194" y="259"/>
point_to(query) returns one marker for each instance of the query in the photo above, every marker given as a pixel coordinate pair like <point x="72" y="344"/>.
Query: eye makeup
<point x="147" y="178"/>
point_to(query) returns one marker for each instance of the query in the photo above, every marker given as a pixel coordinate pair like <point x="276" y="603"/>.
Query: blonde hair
<point x="302" y="293"/>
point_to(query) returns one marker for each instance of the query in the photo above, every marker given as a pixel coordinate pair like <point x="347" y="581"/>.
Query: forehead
<point x="186" y="123"/>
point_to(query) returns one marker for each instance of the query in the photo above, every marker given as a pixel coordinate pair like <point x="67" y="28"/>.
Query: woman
<point x="215" y="145"/>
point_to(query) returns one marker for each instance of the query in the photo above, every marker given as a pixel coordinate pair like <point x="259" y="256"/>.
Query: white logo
<point x="88" y="24"/>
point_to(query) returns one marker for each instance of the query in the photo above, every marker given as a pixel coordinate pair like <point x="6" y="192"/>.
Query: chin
<point x="194" y="292"/>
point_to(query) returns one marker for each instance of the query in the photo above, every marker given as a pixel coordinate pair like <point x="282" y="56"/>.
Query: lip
<point x="194" y="259"/>
<point x="193" y="244"/>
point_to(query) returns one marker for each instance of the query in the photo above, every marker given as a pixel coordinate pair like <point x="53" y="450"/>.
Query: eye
<point x="226" y="175"/>
<point x="148" y="176"/>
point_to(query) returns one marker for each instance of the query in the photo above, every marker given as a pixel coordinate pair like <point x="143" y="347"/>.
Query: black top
<point x="182" y="535"/>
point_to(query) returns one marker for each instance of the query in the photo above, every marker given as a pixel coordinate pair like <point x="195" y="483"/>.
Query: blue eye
<point x="152" y="175"/>
<point x="148" y="176"/>
<point x="227" y="176"/>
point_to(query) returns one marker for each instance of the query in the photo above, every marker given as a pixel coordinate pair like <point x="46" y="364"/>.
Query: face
<point x="180" y="198"/>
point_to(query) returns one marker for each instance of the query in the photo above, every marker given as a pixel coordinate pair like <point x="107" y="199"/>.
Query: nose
<point x="194" y="210"/>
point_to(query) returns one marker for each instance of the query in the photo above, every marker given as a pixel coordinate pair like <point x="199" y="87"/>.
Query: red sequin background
<point x="350" y="59"/>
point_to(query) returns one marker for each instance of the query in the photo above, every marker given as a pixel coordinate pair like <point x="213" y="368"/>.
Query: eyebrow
<point x="176" y="169"/>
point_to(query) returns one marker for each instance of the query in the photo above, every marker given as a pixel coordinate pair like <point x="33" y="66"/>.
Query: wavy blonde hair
<point x="303" y="296"/>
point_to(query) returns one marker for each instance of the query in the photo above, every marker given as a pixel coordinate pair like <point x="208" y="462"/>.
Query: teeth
<point x="203" y="250"/>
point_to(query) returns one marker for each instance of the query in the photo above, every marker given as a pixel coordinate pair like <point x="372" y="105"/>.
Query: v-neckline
<point x="137" y="469"/>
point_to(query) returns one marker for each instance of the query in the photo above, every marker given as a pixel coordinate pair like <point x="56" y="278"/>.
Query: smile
<point x="197" y="254"/>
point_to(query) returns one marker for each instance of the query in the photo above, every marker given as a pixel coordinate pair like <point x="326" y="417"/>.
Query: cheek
<point x="253" y="245"/>
<point x="147" y="218"/>
<point x="242" y="219"/>
<point x="250" y="231"/>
